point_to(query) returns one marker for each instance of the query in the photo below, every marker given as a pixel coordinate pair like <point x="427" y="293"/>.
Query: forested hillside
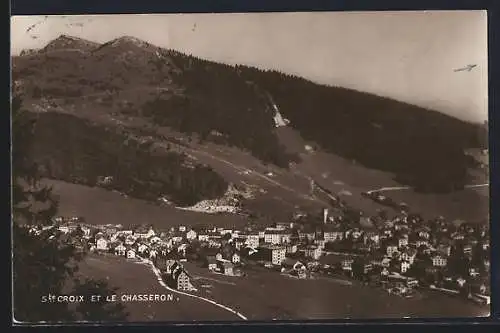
<point x="75" y="150"/>
<point x="423" y="148"/>
<point x="234" y="106"/>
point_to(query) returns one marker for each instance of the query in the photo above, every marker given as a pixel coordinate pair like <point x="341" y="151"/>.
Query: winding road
<point x="157" y="273"/>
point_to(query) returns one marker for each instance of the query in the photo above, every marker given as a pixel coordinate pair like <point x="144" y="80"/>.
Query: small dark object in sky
<point x="466" y="68"/>
<point x="31" y="27"/>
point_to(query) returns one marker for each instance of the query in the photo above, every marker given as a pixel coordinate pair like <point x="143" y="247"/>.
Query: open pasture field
<point x="135" y="278"/>
<point x="100" y="206"/>
<point x="278" y="192"/>
<point x="340" y="175"/>
<point x="268" y="295"/>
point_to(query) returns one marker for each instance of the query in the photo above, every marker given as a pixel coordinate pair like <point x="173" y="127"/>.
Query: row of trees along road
<point x="47" y="263"/>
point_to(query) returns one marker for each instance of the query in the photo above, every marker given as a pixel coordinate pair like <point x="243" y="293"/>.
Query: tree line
<point x="75" y="150"/>
<point x="46" y="263"/>
<point x="218" y="105"/>
<point x="422" y="148"/>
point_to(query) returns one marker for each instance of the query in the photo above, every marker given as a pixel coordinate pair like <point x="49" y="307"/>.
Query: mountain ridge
<point x="69" y="42"/>
<point x="139" y="43"/>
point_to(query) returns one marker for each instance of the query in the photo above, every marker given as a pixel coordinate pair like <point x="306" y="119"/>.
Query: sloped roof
<point x="271" y="247"/>
<point x="177" y="270"/>
<point x="223" y="260"/>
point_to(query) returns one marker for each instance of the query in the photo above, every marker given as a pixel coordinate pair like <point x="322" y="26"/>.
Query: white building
<point x="203" y="237"/>
<point x="120" y="250"/>
<point x="278" y="255"/>
<point x="409" y="255"/>
<point x="176" y="239"/>
<point x="86" y="231"/>
<point x="182" y="249"/>
<point x="272" y="237"/>
<point x="130" y="240"/>
<point x="313" y="252"/>
<point x="332" y="236"/>
<point x="102" y="244"/>
<point x="392" y="250"/>
<point x="405" y="265"/>
<point x="154" y="240"/>
<point x="235" y="258"/>
<point x="276" y="236"/>
<point x="439" y="261"/>
<point x="274" y="253"/>
<point x="423" y="234"/>
<point x="131" y="254"/>
<point x="64" y="229"/>
<point x="372" y="237"/>
<point x="421" y="242"/>
<point x="320" y="243"/>
<point x="403" y="241"/>
<point x="142" y="248"/>
<point x="191" y="235"/>
<point x="356" y="234"/>
<point x="226" y="231"/>
<point x="144" y="233"/>
<point x="253" y="240"/>
<point x="291" y="248"/>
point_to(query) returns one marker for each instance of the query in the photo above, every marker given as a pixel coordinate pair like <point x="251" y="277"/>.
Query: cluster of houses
<point x="398" y="253"/>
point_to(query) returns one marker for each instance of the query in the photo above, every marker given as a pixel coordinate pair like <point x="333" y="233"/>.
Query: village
<point x="403" y="255"/>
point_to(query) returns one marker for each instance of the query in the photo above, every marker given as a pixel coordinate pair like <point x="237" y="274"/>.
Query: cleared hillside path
<point x="383" y="189"/>
<point x="400" y="188"/>
<point x="240" y="168"/>
<point x="479" y="185"/>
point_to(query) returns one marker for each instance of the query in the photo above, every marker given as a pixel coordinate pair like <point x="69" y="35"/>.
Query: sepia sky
<point x="408" y="56"/>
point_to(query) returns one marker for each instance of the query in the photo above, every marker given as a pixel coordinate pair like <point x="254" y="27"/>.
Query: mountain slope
<point x="75" y="150"/>
<point x="223" y="117"/>
<point x="424" y="148"/>
<point x="142" y="80"/>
